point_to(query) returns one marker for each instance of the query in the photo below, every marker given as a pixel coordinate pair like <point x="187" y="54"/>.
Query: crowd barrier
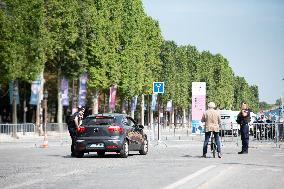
<point x="24" y="128"/>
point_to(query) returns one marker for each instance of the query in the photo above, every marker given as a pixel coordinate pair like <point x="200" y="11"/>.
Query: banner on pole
<point x="82" y="90"/>
<point x="13" y="87"/>
<point x="112" y="97"/>
<point x="134" y="103"/>
<point x="154" y="101"/>
<point x="35" y="90"/>
<point x="64" y="92"/>
<point x="198" y="105"/>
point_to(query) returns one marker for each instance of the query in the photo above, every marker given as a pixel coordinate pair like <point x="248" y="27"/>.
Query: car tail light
<point x="111" y="147"/>
<point x="81" y="129"/>
<point x="115" y="128"/>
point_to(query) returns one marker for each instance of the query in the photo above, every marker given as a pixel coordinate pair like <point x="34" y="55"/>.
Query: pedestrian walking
<point x="74" y="122"/>
<point x="212" y="120"/>
<point x="244" y="119"/>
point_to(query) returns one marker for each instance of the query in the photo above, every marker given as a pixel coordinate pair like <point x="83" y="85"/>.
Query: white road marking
<point x="23" y="184"/>
<point x="189" y="177"/>
<point x="31" y="182"/>
<point x="219" y="175"/>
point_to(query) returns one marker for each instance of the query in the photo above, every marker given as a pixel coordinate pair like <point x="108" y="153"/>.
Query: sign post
<point x="158" y="87"/>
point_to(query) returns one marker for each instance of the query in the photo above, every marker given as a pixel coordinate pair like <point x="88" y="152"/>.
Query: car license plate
<point x="99" y="145"/>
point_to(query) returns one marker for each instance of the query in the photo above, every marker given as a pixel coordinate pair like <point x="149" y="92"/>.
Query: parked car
<point x="103" y="133"/>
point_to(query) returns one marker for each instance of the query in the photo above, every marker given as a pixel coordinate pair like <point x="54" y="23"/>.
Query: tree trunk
<point x="172" y="116"/>
<point x="142" y="109"/>
<point x="59" y="103"/>
<point x="14" y="103"/>
<point x="95" y="109"/>
<point x="122" y="108"/>
<point x="183" y="117"/>
<point x="14" y="107"/>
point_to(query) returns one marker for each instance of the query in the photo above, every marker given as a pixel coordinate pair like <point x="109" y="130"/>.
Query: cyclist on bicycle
<point x="212" y="120"/>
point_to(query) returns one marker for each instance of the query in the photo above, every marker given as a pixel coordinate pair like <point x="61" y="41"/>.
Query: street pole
<point x="158" y="96"/>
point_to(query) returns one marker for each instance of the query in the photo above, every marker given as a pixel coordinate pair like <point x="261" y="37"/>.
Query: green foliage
<point x="22" y="40"/>
<point x="116" y="43"/>
<point x="64" y="51"/>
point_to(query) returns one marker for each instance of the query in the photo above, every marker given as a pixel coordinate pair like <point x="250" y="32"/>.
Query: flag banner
<point x="169" y="106"/>
<point x="64" y="92"/>
<point x="134" y="103"/>
<point x="154" y="101"/>
<point x="13" y="87"/>
<point x="82" y="90"/>
<point x="198" y="105"/>
<point x="112" y="97"/>
<point x="35" y="90"/>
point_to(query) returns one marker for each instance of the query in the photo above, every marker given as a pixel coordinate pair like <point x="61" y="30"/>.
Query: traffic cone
<point x="45" y="142"/>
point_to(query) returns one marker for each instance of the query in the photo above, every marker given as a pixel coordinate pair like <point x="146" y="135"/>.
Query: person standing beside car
<point x="212" y="120"/>
<point x="244" y="119"/>
<point x="74" y="122"/>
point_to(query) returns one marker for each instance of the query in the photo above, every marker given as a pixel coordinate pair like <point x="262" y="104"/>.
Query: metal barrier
<point x="264" y="131"/>
<point x="24" y="128"/>
<point x="17" y="128"/>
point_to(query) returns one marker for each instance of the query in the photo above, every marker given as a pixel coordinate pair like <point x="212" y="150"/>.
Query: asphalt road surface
<point x="177" y="165"/>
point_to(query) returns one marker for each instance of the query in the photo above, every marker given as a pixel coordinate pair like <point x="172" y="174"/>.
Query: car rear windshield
<point x="99" y="120"/>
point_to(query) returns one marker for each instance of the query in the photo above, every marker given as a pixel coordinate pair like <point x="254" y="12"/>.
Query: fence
<point x="25" y="128"/>
<point x="30" y="128"/>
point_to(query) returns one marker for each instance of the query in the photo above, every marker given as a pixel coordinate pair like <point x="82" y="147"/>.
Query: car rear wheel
<point x="78" y="154"/>
<point x="144" y="149"/>
<point x="125" y="150"/>
<point x="101" y="153"/>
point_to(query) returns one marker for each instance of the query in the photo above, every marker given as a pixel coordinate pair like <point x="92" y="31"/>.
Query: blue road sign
<point x="158" y="87"/>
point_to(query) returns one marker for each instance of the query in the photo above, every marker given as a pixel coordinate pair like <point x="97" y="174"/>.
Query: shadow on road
<point x="191" y="156"/>
<point x="106" y="156"/>
<point x="252" y="164"/>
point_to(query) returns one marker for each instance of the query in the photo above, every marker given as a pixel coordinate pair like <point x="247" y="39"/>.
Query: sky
<point x="248" y="33"/>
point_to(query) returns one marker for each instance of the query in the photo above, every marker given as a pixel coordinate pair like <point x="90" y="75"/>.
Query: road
<point x="179" y="165"/>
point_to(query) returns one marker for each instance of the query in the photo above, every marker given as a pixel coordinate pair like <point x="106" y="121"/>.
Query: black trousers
<point x="245" y="137"/>
<point x="72" y="133"/>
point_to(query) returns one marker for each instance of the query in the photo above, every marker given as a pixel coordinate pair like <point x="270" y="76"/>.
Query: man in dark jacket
<point x="73" y="124"/>
<point x="243" y="119"/>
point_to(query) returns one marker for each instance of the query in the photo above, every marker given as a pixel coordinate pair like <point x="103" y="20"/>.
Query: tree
<point x="22" y="44"/>
<point x="64" y="53"/>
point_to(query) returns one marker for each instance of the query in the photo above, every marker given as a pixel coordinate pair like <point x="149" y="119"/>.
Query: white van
<point x="228" y="122"/>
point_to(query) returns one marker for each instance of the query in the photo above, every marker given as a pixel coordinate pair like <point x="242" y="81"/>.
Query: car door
<point x="136" y="135"/>
<point x="129" y="132"/>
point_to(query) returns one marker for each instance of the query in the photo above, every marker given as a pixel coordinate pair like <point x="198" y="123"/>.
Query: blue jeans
<point x="217" y="141"/>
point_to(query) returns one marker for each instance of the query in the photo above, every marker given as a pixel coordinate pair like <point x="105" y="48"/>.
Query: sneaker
<point x="204" y="156"/>
<point x="219" y="155"/>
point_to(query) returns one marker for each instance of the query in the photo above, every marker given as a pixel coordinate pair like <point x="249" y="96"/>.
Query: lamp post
<point x="45" y="97"/>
